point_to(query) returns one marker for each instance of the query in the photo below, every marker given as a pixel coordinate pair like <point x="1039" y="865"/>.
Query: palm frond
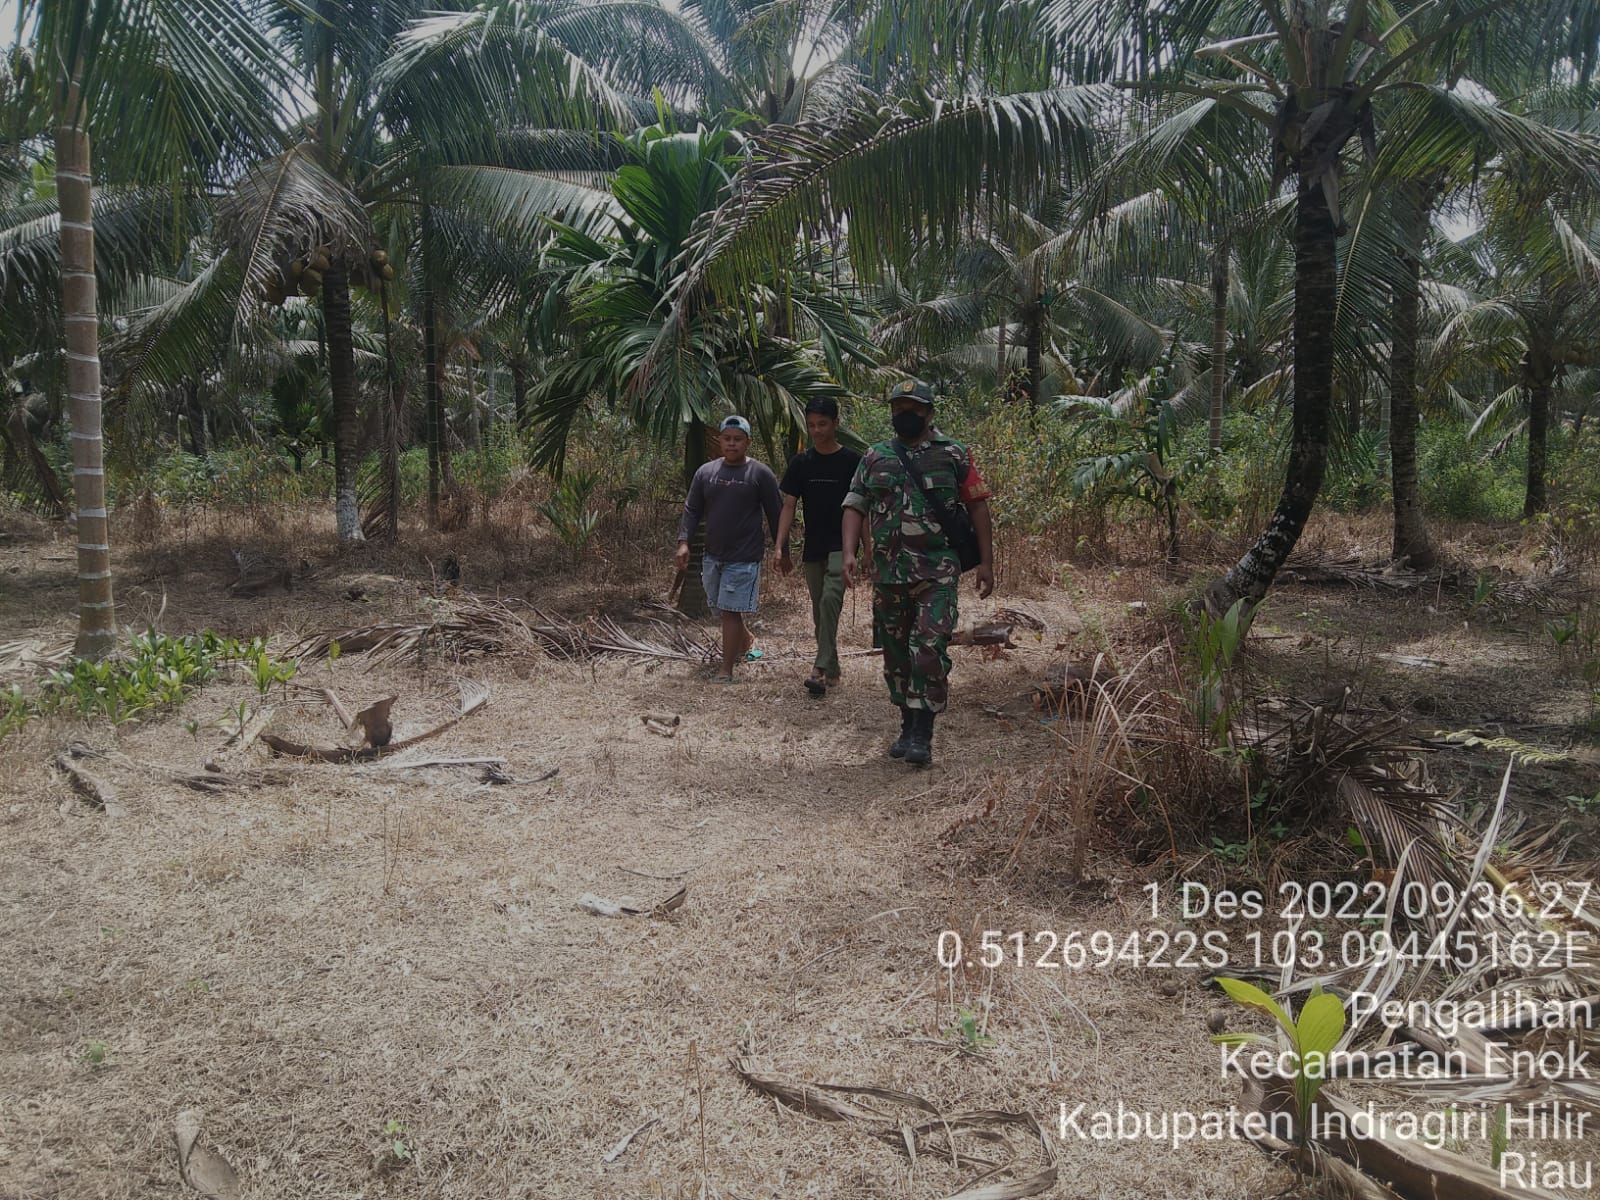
<point x="896" y="176"/>
<point x="284" y="208"/>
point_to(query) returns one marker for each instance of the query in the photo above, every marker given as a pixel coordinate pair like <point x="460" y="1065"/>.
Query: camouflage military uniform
<point x="915" y="572"/>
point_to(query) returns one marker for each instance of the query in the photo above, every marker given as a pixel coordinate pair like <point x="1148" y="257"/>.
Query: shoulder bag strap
<point x="939" y="510"/>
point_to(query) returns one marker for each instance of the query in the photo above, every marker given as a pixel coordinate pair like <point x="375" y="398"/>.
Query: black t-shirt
<point x="821" y="481"/>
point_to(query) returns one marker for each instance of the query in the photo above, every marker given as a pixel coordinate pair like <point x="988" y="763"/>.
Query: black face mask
<point x="908" y="425"/>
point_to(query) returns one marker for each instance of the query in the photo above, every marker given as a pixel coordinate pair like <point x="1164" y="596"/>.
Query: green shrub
<point x="236" y="477"/>
<point x="1359" y="473"/>
<point x="155" y="671"/>
<point x="1457" y="478"/>
<point x="1238" y="487"/>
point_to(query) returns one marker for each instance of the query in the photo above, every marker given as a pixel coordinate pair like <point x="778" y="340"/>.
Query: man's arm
<point x="693" y="506"/>
<point x="771" y="502"/>
<point x="855" y="519"/>
<point x="983" y="526"/>
<point x="781" y="559"/>
<point x="851" y="527"/>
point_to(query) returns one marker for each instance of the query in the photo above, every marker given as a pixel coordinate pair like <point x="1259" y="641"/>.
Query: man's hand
<point x="782" y="563"/>
<point x="983" y="526"/>
<point x="848" y="568"/>
<point x="681" y="558"/>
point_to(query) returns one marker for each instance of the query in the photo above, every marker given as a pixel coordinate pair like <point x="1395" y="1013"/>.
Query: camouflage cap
<point x="917" y="389"/>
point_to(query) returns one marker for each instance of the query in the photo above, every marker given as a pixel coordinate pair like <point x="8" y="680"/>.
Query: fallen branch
<point x="339" y="709"/>
<point x="989" y="1126"/>
<point x="473" y="697"/>
<point x="443" y="762"/>
<point x="664" y="726"/>
<point x="221" y="781"/>
<point x="601" y="907"/>
<point x="100" y="794"/>
<point x="621" y="1147"/>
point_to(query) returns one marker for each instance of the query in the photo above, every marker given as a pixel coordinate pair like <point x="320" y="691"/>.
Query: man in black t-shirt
<point x="819" y="478"/>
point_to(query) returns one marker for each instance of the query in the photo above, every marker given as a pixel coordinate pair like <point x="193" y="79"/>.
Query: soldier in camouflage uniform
<point x="915" y="571"/>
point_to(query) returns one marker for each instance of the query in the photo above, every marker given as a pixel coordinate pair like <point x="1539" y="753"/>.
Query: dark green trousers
<point x="825" y="580"/>
<point x="914" y="622"/>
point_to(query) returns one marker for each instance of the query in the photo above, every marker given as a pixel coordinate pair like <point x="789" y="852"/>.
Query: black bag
<point x="959" y="532"/>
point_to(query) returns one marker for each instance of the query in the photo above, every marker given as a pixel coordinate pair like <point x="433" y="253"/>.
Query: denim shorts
<point x="731" y="586"/>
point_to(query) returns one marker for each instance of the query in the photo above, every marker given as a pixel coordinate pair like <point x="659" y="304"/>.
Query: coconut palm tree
<point x="1534" y="269"/>
<point x="1305" y="80"/>
<point x="166" y="90"/>
<point x="1020" y="289"/>
<point x="412" y="113"/>
<point x="1315" y="78"/>
<point x="1444" y="133"/>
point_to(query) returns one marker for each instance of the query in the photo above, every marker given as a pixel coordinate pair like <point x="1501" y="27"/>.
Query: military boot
<point x="919" y="747"/>
<point x="908" y="719"/>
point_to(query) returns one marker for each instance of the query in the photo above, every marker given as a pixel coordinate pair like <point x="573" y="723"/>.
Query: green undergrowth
<point x="154" y="672"/>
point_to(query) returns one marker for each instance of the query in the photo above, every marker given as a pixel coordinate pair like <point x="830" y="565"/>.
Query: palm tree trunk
<point x="435" y="401"/>
<point x="1033" y="330"/>
<point x="97" y="625"/>
<point x="1219" y="342"/>
<point x="392" y="426"/>
<point x="519" y="391"/>
<point x="1540" y="387"/>
<point x="1316" y="282"/>
<point x="346" y="399"/>
<point x="195" y="415"/>
<point x="1410" y="531"/>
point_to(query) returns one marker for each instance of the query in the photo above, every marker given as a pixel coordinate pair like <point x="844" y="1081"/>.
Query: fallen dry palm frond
<point x="33" y="654"/>
<point x="478" y="625"/>
<point x="1491" y="909"/>
<point x="665" y="641"/>
<point x="1310" y="567"/>
<point x="1025" y="1169"/>
<point x="1368" y="769"/>
<point x="1504" y="593"/>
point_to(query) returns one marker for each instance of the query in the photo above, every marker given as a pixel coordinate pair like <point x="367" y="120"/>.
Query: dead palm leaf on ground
<point x="1020" y="1168"/>
<point x="483" y="625"/>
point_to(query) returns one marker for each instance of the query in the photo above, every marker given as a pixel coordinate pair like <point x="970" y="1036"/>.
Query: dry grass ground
<point x="353" y="950"/>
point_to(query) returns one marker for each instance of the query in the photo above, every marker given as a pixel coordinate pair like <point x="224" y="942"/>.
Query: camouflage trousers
<point x="913" y="622"/>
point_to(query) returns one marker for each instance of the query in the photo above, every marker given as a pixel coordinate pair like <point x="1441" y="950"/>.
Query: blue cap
<point x="738" y="423"/>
